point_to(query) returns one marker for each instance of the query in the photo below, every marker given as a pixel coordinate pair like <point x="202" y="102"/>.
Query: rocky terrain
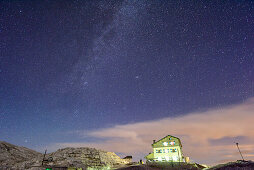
<point x="245" y="165"/>
<point x="15" y="157"/>
<point x="85" y="157"/>
<point x="19" y="158"/>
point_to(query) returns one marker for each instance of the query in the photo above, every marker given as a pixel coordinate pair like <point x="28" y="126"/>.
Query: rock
<point x="15" y="157"/>
<point x="85" y="157"/>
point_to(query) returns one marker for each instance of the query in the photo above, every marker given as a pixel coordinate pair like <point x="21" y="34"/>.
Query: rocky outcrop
<point x="16" y="157"/>
<point x="85" y="157"/>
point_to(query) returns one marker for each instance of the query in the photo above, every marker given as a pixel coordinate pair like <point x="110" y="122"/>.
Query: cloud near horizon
<point x="208" y="137"/>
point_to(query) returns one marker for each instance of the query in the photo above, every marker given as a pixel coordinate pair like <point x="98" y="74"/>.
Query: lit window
<point x="158" y="150"/>
<point x="173" y="150"/>
<point x="167" y="151"/>
<point x="159" y="158"/>
<point x="167" y="158"/>
<point x="172" y="143"/>
<point x="165" y="143"/>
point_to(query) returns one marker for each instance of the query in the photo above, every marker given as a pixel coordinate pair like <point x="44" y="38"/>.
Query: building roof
<point x="167" y="137"/>
<point x="149" y="156"/>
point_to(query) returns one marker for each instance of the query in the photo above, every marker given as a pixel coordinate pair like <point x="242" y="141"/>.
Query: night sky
<point x="72" y="66"/>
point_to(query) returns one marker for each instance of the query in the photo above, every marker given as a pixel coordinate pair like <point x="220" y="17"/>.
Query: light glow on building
<point x="167" y="149"/>
<point x="167" y="158"/>
<point x="175" y="158"/>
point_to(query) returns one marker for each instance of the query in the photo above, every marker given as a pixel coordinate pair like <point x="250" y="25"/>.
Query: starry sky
<point x="68" y="67"/>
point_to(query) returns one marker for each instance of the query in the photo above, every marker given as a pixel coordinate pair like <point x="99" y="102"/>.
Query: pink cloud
<point x="196" y="131"/>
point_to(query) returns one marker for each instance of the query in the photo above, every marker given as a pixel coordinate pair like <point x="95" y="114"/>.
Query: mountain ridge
<point x="18" y="157"/>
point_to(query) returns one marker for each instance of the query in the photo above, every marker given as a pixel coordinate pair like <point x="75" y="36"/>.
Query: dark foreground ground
<point x="138" y="167"/>
<point x="159" y="167"/>
<point x="238" y="165"/>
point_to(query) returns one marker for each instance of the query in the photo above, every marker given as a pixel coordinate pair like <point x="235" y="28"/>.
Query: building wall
<point x="168" y="148"/>
<point x="168" y="154"/>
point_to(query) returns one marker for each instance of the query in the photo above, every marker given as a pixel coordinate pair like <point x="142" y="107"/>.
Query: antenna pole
<point x="43" y="157"/>
<point x="239" y="150"/>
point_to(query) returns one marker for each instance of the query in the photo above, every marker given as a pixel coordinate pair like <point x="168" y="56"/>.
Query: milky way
<point x="74" y="65"/>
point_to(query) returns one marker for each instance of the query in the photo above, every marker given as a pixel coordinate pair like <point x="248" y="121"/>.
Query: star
<point x="94" y="64"/>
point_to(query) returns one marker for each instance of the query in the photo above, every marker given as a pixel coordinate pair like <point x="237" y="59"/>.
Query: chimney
<point x="153" y="141"/>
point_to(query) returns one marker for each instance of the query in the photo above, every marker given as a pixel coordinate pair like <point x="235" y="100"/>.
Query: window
<point x="172" y="143"/>
<point x="173" y="150"/>
<point x="158" y="150"/>
<point x="163" y="150"/>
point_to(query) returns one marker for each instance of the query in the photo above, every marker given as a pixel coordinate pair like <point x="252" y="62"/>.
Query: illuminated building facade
<point x="167" y="149"/>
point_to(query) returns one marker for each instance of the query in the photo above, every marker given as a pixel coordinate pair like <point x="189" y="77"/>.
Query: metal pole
<point x="43" y="157"/>
<point x="178" y="155"/>
<point x="239" y="150"/>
